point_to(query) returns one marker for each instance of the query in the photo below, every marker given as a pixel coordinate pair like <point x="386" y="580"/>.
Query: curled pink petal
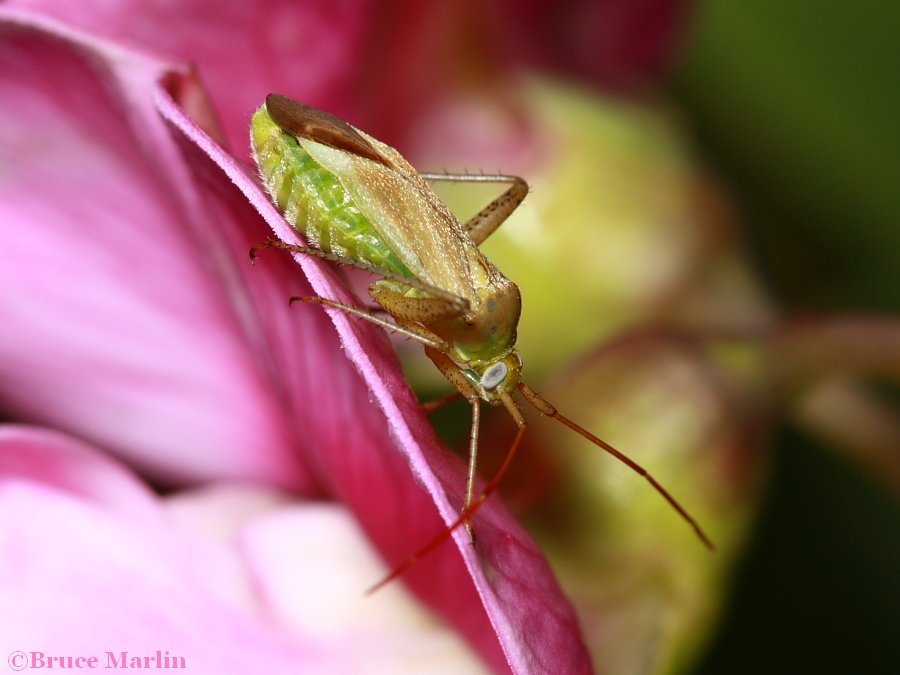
<point x="119" y="324"/>
<point x="242" y="50"/>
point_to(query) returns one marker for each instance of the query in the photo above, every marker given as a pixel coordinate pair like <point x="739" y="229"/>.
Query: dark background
<point x="796" y="104"/>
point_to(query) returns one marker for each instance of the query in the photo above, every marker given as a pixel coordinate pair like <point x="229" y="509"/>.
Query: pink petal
<point x="311" y="564"/>
<point x="351" y="58"/>
<point x="85" y="572"/>
<point x="59" y="462"/>
<point x="120" y="323"/>
<point x="243" y="50"/>
<point x="618" y="44"/>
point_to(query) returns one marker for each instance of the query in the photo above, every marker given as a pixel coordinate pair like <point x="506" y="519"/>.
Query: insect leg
<point x="466" y="515"/>
<point x="420" y="310"/>
<point x="452" y="372"/>
<point x="429" y="407"/>
<point x="483" y="224"/>
<point x="473" y="462"/>
<point x="416" y="333"/>
<point x="460" y="303"/>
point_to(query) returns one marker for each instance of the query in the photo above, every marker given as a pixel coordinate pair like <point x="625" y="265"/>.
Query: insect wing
<point x="406" y="213"/>
<point x="304" y="121"/>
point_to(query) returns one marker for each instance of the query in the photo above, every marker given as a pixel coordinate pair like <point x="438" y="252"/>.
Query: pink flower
<point x="132" y="320"/>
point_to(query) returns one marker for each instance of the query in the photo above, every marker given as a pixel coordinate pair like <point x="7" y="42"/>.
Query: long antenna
<point x="546" y="408"/>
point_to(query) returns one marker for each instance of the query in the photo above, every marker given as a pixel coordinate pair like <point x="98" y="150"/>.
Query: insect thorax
<point x="488" y="332"/>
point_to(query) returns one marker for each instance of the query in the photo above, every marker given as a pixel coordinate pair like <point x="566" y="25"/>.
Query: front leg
<point x="425" y="311"/>
<point x="412" y="331"/>
<point x="453" y="373"/>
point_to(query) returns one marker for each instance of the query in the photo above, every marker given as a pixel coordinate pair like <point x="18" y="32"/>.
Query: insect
<point x="359" y="203"/>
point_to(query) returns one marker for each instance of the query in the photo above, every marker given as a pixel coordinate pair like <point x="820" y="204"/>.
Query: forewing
<point x="304" y="121"/>
<point x="405" y="212"/>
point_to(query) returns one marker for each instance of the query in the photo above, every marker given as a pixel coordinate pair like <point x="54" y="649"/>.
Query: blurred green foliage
<point x="799" y="100"/>
<point x="797" y="103"/>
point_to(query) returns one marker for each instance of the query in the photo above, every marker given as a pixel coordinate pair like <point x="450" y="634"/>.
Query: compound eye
<point x="494" y="375"/>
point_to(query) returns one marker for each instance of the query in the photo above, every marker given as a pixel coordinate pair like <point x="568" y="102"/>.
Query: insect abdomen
<point x="313" y="199"/>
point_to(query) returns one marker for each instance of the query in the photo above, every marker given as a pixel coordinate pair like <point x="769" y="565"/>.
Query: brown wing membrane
<point x="304" y="121"/>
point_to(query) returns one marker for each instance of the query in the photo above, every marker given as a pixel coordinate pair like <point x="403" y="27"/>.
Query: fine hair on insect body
<point x="359" y="203"/>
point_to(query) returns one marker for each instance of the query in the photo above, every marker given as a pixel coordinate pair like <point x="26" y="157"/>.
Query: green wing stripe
<point x="314" y="201"/>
